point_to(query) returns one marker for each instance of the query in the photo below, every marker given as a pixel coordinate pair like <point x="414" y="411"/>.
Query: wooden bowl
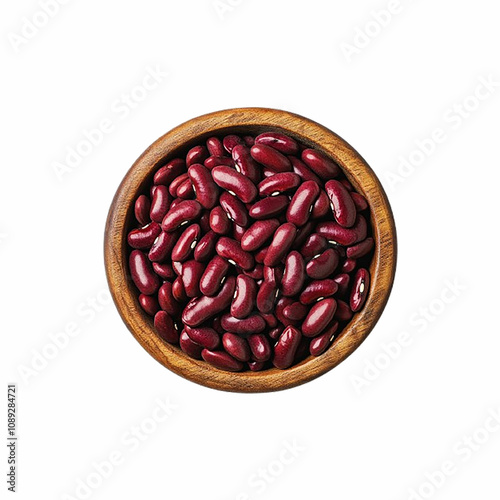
<point x="252" y="121"/>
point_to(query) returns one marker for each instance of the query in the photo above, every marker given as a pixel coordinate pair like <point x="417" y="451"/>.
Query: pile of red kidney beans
<point x="251" y="252"/>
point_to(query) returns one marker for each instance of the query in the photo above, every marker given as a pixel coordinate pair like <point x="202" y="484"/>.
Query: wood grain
<point x="251" y="121"/>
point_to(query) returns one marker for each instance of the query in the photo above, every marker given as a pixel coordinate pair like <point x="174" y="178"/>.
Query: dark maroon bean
<point x="322" y="266"/>
<point x="244" y="300"/>
<point x="318" y="289"/>
<point x="149" y="303"/>
<point x="314" y="245"/>
<point x="191" y="348"/>
<point x="343" y="207"/>
<point x="304" y="172"/>
<point x="281" y="142"/>
<point x="258" y="233"/>
<point x="341" y="235"/>
<point x="347" y="185"/>
<point x="219" y="223"/>
<point x="256" y="273"/>
<point x="234" y="208"/>
<point x="359" y="201"/>
<point x="236" y="346"/>
<point x="142" y="273"/>
<point x="177" y="267"/>
<point x="276" y="332"/>
<point x="232" y="251"/>
<point x="256" y="366"/>
<point x="259" y="345"/>
<point x="222" y="360"/>
<point x="215" y="147"/>
<point x="318" y="317"/>
<point x="164" y="325"/>
<point x="141" y="210"/>
<point x="260" y="255"/>
<point x="204" y="336"/>
<point x="302" y="234"/>
<point x="186" y="190"/>
<point x="344" y="312"/>
<point x="166" y="174"/>
<point x="184" y="212"/>
<point x="214" y="276"/>
<point x="270" y="319"/>
<point x="206" y="247"/>
<point x="268" y="207"/>
<point x="144" y="237"/>
<point x="270" y="158"/>
<point x="302" y="202"/>
<point x="235" y="183"/>
<point x="321" y="206"/>
<point x="266" y="296"/>
<point x="294" y="275"/>
<point x="320" y="343"/>
<point x="230" y="141"/>
<point x="178" y="181"/>
<point x="248" y="140"/>
<point x="320" y="164"/>
<point x="359" y="290"/>
<point x="198" y="154"/>
<point x="342" y="281"/>
<point x="238" y="232"/>
<point x="279" y="183"/>
<point x="186" y="243"/>
<point x="164" y="271"/>
<point x="192" y="272"/>
<point x="245" y="164"/>
<point x="280" y="245"/>
<point x="204" y="186"/>
<point x="361" y="249"/>
<point x="349" y="265"/>
<point x="286" y="347"/>
<point x="178" y="290"/>
<point x="216" y="325"/>
<point x="160" y="203"/>
<point x="216" y="161"/>
<point x="166" y="299"/>
<point x="295" y="311"/>
<point x="162" y="246"/>
<point x="246" y="326"/>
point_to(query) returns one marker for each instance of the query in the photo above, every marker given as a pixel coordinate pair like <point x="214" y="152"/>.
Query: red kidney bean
<point x="258" y="233"/>
<point x="256" y="366"/>
<point x="169" y="172"/>
<point x="160" y="203"/>
<point x="314" y="245"/>
<point x="230" y="141"/>
<point x="214" y="276"/>
<point x="235" y="183"/>
<point x="238" y="232"/>
<point x="294" y="275"/>
<point x="266" y="296"/>
<point x="320" y="343"/>
<point x="207" y="192"/>
<point x="206" y="246"/>
<point x="260" y="347"/>
<point x="347" y="185"/>
<point x="244" y="300"/>
<point x="216" y="325"/>
<point x="323" y="265"/>
<point x="149" y="304"/>
<point x="178" y="290"/>
<point x="248" y="140"/>
<point x="244" y="163"/>
<point x="246" y="326"/>
<point x="215" y="147"/>
<point x="260" y="255"/>
<point x="268" y="207"/>
<point x="236" y="346"/>
<point x="164" y="271"/>
<point x="343" y="207"/>
<point x="200" y="309"/>
<point x="174" y="185"/>
<point x="232" y="251"/>
<point x="320" y="164"/>
<point x="281" y="142"/>
<point x="359" y="290"/>
<point x="166" y="299"/>
<point x="278" y="183"/>
<point x="141" y="210"/>
<point x="295" y="311"/>
<point x="185" y="191"/>
<point x="270" y="319"/>
<point x="204" y="336"/>
<point x="359" y="201"/>
<point x="142" y="273"/>
<point x="256" y="273"/>
<point x="270" y="158"/>
<point x="216" y="161"/>
<point x="222" y="360"/>
<point x="166" y="328"/>
<point x="342" y="281"/>
<point x="144" y="237"/>
<point x="341" y="235"/>
<point x="280" y="245"/>
<point x="186" y="211"/>
<point x="318" y="317"/>
<point x="198" y="154"/>
<point x="361" y="249"/>
<point x="234" y="208"/>
<point x="177" y="267"/>
<point x="219" y="223"/>
<point x="344" y="312"/>
<point x="302" y="234"/>
<point x="192" y="272"/>
<point x="303" y="171"/>
<point x="349" y="265"/>
<point x="318" y="289"/>
<point x="186" y="243"/>
<point x="286" y="347"/>
<point x="302" y="202"/>
<point x="321" y="206"/>
<point x="192" y="349"/>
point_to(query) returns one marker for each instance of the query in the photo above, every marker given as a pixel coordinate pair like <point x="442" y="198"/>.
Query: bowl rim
<point x="309" y="132"/>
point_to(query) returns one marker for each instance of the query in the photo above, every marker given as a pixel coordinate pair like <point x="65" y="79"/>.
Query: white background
<point x="376" y="425"/>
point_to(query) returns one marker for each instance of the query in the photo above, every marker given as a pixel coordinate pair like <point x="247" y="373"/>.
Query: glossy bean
<point x="167" y="300"/>
<point x="222" y="360"/>
<point x="192" y="271"/>
<point x="342" y="281"/>
<point x="245" y="164"/>
<point x="236" y="346"/>
<point x="256" y="366"/>
<point x="302" y="234"/>
<point x="232" y="251"/>
<point x="258" y="233"/>
<point x="321" y="206"/>
<point x="270" y="319"/>
<point x="343" y="207"/>
<point x="280" y="245"/>
<point x="279" y="183"/>
<point x="266" y="296"/>
<point x="165" y="326"/>
<point x="216" y="161"/>
<point x="174" y="185"/>
<point x="359" y="201"/>
<point x="197" y="154"/>
<point x="295" y="311"/>
<point x="141" y="210"/>
<point x="142" y="273"/>
<point x="318" y="317"/>
<point x="260" y="255"/>
<point x="281" y="142"/>
<point x="166" y="174"/>
<point x="359" y="290"/>
<point x="204" y="336"/>
<point x="321" y="343"/>
<point x="162" y="246"/>
<point x="163" y="270"/>
<point x="235" y="183"/>
<point x="206" y="247"/>
<point x="302" y="203"/>
<point x="185" y="191"/>
<point x="333" y="231"/>
<point x="238" y="232"/>
<point x="314" y="245"/>
<point x="215" y="147"/>
<point x="192" y="349"/>
<point x="177" y="267"/>
<point x="213" y="276"/>
<point x="260" y="347"/>
<point x="349" y="265"/>
<point x="244" y="300"/>
<point x="230" y="141"/>
<point x="144" y="237"/>
<point x="320" y="164"/>
<point x="149" y="304"/>
<point x="344" y="312"/>
<point x="270" y="158"/>
<point x="219" y="222"/>
<point x="178" y="290"/>
<point x="186" y="243"/>
<point x="322" y="266"/>
<point x="318" y="289"/>
<point x="286" y="347"/>
<point x="268" y="207"/>
<point x="256" y="273"/>
<point x="183" y="213"/>
<point x="360" y="249"/>
<point x="246" y="326"/>
<point x="294" y="275"/>
<point x="303" y="171"/>
<point x="234" y="208"/>
<point x="205" y="189"/>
